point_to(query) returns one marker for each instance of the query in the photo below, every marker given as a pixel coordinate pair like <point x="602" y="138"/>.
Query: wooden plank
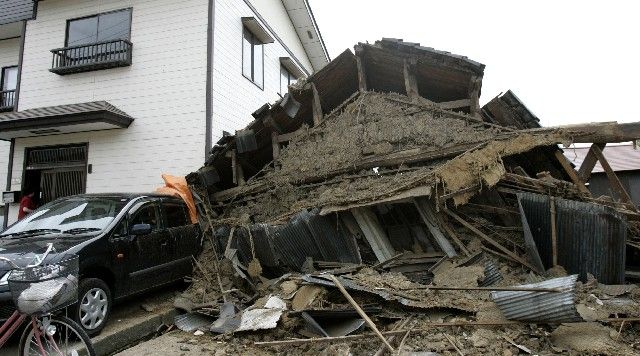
<point x="566" y="165"/>
<point x="455" y="104"/>
<point x="316" y="106"/>
<point x="616" y="185"/>
<point x="362" y="75"/>
<point x="429" y="218"/>
<point x="374" y="233"/>
<point x="488" y="239"/>
<point x="410" y="81"/>
<point x="589" y="162"/>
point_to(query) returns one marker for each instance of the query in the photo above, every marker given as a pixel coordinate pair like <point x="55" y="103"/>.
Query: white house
<point x="106" y="95"/>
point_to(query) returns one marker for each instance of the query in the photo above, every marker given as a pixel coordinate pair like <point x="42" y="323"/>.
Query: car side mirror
<point x="140" y="229"/>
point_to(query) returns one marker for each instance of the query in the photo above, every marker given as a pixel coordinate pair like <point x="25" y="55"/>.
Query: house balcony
<point x="7" y="100"/>
<point x="95" y="56"/>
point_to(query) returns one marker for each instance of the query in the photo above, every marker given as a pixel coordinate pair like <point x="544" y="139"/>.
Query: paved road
<point x="124" y="315"/>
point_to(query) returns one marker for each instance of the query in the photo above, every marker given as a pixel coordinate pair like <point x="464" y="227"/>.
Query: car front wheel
<point x="94" y="305"/>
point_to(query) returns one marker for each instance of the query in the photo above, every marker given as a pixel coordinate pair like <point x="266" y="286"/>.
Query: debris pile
<point x="376" y="207"/>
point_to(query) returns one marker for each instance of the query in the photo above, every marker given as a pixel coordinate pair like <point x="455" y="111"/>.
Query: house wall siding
<point x="164" y="90"/>
<point x="235" y="97"/>
<point x="9" y="53"/>
<point x="274" y="12"/>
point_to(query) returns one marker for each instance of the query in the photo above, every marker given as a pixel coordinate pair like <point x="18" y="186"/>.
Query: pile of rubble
<point x="376" y="207"/>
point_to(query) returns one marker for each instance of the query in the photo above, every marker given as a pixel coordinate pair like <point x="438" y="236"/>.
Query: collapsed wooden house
<point x="387" y="150"/>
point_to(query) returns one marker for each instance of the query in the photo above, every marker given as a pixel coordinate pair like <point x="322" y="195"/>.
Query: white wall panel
<point x="234" y="96"/>
<point x="9" y="52"/>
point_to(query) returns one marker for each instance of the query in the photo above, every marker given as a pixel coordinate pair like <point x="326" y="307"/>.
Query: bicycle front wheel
<point x="55" y="335"/>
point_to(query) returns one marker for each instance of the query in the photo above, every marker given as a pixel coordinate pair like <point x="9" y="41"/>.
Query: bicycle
<point x="38" y="292"/>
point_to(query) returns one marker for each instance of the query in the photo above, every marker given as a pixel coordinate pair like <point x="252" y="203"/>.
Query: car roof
<point x="128" y="196"/>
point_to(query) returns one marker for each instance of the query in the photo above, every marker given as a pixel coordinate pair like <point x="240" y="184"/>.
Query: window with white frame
<point x="252" y="58"/>
<point x="286" y="78"/>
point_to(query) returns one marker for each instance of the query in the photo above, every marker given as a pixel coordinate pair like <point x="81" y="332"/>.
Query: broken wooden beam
<point x="275" y="145"/>
<point x="373" y="233"/>
<point x="361" y="312"/>
<point x="429" y="218"/>
<point x="571" y="172"/>
<point x="614" y="181"/>
<point x="589" y="162"/>
<point x="474" y="96"/>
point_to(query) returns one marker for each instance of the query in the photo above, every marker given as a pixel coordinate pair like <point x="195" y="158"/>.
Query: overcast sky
<point x="568" y="61"/>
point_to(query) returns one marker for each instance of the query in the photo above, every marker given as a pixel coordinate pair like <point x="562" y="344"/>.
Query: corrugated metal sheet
<point x="591" y="238"/>
<point x="492" y="273"/>
<point x="541" y="306"/>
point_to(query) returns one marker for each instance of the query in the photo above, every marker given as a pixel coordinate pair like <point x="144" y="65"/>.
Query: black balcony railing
<point x="7" y="100"/>
<point x="84" y="58"/>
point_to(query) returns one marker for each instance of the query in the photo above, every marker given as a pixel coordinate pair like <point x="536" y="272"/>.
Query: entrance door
<point x="56" y="171"/>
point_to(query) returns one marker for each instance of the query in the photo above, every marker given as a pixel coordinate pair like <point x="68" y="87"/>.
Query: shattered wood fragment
<point x="362" y="76"/>
<point x="488" y="239"/>
<point x="455" y="104"/>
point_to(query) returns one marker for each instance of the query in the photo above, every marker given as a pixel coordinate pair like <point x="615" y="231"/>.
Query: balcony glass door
<point x="8" y="88"/>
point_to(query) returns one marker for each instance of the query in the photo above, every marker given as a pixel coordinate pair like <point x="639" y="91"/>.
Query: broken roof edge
<point x="417" y="49"/>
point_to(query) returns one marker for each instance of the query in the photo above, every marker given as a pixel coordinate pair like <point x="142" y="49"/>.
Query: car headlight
<point x="4" y="280"/>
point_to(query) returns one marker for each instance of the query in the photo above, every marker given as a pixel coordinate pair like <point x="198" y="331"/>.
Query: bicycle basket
<point x="46" y="288"/>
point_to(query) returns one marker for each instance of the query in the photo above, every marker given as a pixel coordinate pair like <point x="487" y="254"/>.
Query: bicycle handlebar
<point x="39" y="259"/>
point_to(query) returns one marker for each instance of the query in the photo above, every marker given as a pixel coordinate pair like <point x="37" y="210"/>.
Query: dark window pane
<point x="246" y="53"/>
<point x="146" y="215"/>
<point x="175" y="214"/>
<point x="83" y="31"/>
<point x="9" y="78"/>
<point x="257" y="63"/>
<point x="114" y="25"/>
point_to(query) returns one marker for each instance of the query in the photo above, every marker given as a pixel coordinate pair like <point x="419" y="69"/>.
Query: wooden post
<point x="410" y="81"/>
<point x="615" y="183"/>
<point x="589" y="162"/>
<point x="564" y="162"/>
<point x="362" y="76"/>
<point x="474" y="96"/>
<point x="236" y="168"/>
<point x="361" y="312"/>
<point x="554" y="234"/>
<point x="275" y="146"/>
<point x="316" y="106"/>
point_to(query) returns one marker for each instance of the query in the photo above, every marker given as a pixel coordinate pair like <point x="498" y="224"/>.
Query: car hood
<point x="22" y="250"/>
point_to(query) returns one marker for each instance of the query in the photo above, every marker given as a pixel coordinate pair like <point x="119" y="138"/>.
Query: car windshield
<point x="71" y="215"/>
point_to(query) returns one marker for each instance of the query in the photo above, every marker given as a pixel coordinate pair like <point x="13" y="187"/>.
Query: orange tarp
<point x="177" y="186"/>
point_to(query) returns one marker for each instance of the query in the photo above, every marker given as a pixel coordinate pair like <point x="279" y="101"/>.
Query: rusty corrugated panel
<point x="554" y="307"/>
<point x="591" y="238"/>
